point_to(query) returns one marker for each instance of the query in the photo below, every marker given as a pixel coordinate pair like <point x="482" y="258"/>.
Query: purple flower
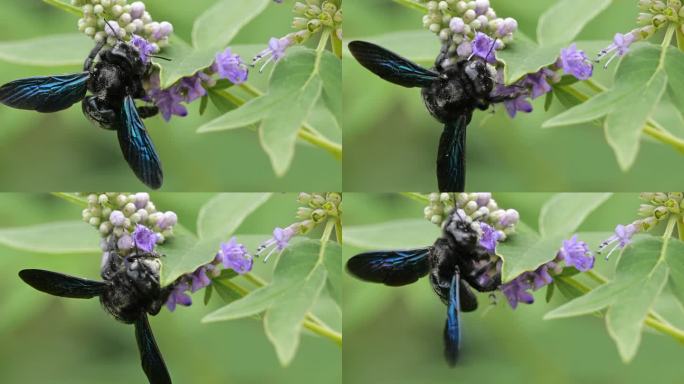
<point x="145" y="49"/>
<point x="516" y="291"/>
<point x="137" y="9"/>
<point x="622" y="237"/>
<point x="279" y="241"/>
<point x="192" y="88"/>
<point x="575" y="62"/>
<point x="169" y="102"/>
<point x="520" y="103"/>
<point x="484" y="46"/>
<point x="541" y="277"/>
<point x="508" y="27"/>
<point x="234" y="255"/>
<point x="178" y="296"/>
<point x="230" y="66"/>
<point x="620" y="46"/>
<point x="457" y="25"/>
<point x="539" y="83"/>
<point x="199" y="279"/>
<point x="489" y="237"/>
<point x="577" y="254"/>
<point x="275" y="51"/>
<point x="144" y="239"/>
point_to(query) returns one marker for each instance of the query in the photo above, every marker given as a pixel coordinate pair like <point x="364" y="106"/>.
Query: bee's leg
<point x="99" y="112"/>
<point x="93" y="54"/>
<point x="443" y="55"/>
<point x="148" y="111"/>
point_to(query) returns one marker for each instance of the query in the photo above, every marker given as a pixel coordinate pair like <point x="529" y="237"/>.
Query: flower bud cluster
<point x="314" y="15"/>
<point x="316" y="209"/>
<point x="458" y="22"/>
<point x="117" y="215"/>
<point x="480" y="207"/>
<point x="311" y="18"/>
<point x="111" y="20"/>
<point x="659" y="207"/>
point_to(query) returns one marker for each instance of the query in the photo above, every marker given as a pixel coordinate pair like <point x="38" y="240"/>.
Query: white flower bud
<point x="105" y="228"/>
<point x="129" y="209"/>
<point x="117" y="218"/>
<point x="121" y="200"/>
<point x="106" y="3"/>
<point x="98" y="10"/>
<point x="117" y="10"/>
<point x="125" y="19"/>
<point x="94" y="221"/>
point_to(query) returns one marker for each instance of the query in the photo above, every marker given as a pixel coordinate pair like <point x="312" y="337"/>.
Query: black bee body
<point x="130" y="291"/>
<point x="454" y="258"/>
<point x="451" y="94"/>
<point x="132" y="286"/>
<point x="114" y="77"/>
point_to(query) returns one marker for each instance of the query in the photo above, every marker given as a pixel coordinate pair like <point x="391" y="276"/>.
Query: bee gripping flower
<point x="489" y="237"/>
<point x="145" y="48"/>
<point x="178" y="296"/>
<point x="484" y="47"/>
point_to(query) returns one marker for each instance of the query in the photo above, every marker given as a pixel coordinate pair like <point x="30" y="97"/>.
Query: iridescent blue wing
<point x="393" y="268"/>
<point x="150" y="357"/>
<point x="137" y="146"/>
<point x="451" y="160"/>
<point x="452" y="328"/>
<point x="45" y="94"/>
<point x="391" y="66"/>
<point x="57" y="284"/>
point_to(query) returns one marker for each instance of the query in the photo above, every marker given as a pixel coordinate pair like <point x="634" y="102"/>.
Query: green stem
<point x="680" y="228"/>
<point x="680" y="39"/>
<point x="307" y="133"/>
<point x="72" y="198"/>
<point x="336" y="46"/>
<point x="324" y="41"/>
<point x="416" y="197"/>
<point x="650" y="129"/>
<point x="325" y="238"/>
<point x="65" y="7"/>
<point x="412" y="4"/>
<point x="667" y="42"/>
<point x="338" y="230"/>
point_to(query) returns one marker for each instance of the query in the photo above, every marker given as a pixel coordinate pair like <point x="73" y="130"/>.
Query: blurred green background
<point x="64" y="151"/>
<point x="391" y="141"/>
<point x="394" y="335"/>
<point x="53" y="340"/>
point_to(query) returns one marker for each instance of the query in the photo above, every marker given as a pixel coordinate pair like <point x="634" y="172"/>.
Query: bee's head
<point x="480" y="76"/>
<point x="125" y="54"/>
<point x="458" y="227"/>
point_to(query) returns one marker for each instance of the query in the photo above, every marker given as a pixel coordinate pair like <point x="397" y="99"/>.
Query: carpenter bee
<point x="455" y="259"/>
<point x="115" y="80"/>
<point x="129" y="292"/>
<point x="450" y="93"/>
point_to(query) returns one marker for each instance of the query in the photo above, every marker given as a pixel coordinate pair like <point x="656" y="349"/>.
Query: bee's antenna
<point x="162" y="58"/>
<point x="115" y="32"/>
<point x="491" y="49"/>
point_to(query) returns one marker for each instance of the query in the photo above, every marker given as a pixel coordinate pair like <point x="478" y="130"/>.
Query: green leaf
<point x="333" y="264"/>
<point x="224" y="213"/>
<point x="563" y="21"/>
<point x="640" y="276"/>
<point x="548" y="101"/>
<point x="399" y="234"/>
<point x="219" y="24"/>
<point x="568" y="291"/>
<point x="53" y="238"/>
<point x="523" y="56"/>
<point x="249" y="113"/>
<point x="204" y="103"/>
<point x="207" y="293"/>
<point x="592" y="109"/>
<point x="283" y="320"/>
<point x="331" y="74"/>
<point x="626" y="122"/>
<point x="550" y="289"/>
<point x="674" y="62"/>
<point x="419" y="46"/>
<point x="185" y="61"/>
<point x="48" y="51"/>
<point x="184" y="253"/>
<point x="256" y="302"/>
<point x="526" y="251"/>
<point x="564" y="212"/>
<point x="675" y="261"/>
<point x="297" y="82"/>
